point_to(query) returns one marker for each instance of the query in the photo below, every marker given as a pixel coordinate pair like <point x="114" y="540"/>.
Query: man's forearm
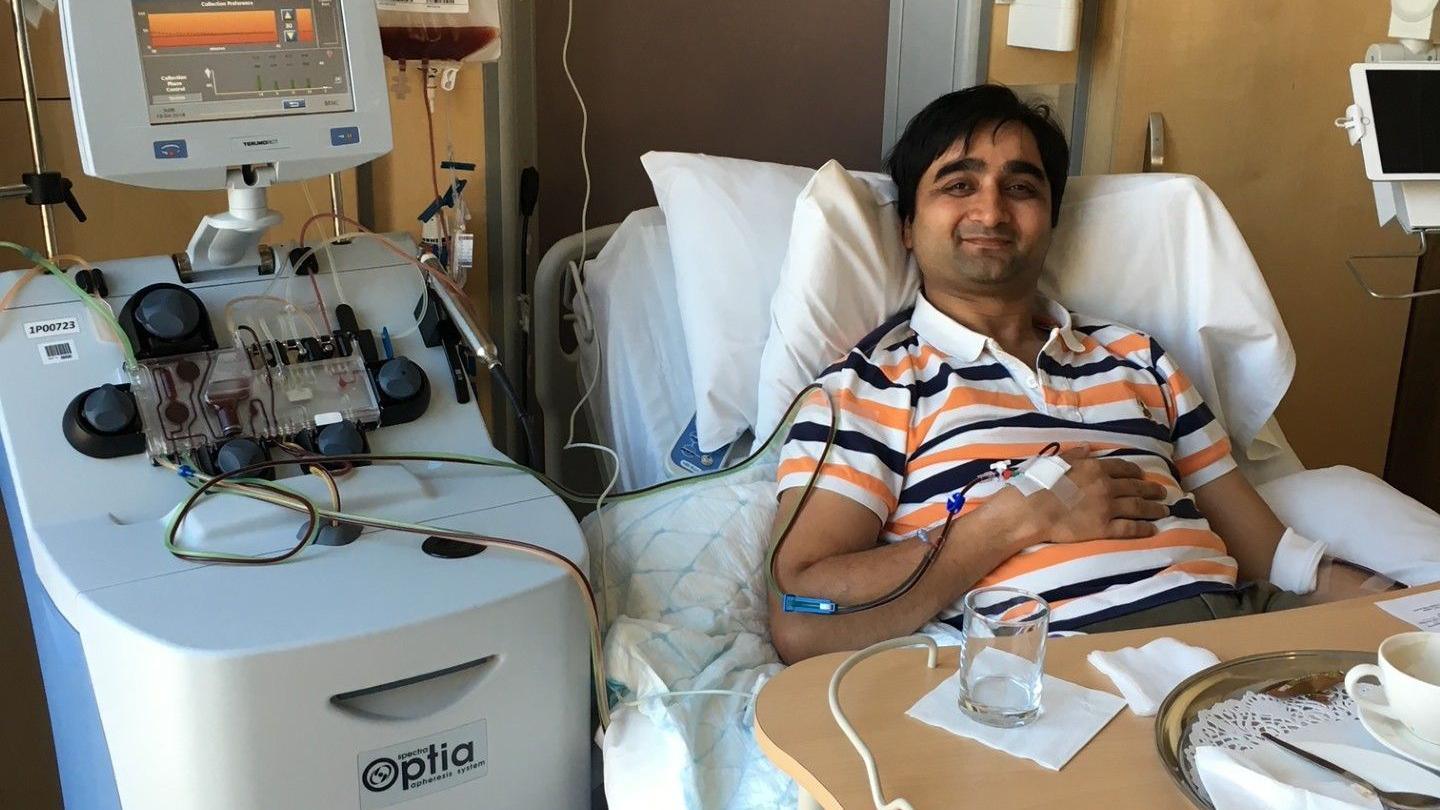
<point x="976" y="546"/>
<point x="1244" y="521"/>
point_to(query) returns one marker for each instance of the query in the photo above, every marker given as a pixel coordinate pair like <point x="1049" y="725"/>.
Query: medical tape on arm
<point x="1296" y="564"/>
<point x="1046" y="473"/>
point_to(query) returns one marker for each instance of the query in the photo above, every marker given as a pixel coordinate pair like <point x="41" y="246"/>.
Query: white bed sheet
<point x="643" y="400"/>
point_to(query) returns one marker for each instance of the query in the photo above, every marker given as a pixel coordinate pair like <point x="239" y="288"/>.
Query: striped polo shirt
<point x="924" y="405"/>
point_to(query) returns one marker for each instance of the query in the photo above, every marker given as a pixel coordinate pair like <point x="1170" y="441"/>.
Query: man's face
<point x="982" y="215"/>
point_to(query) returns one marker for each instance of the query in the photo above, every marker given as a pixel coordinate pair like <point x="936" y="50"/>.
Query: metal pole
<point x="337" y="200"/>
<point x="32" y="117"/>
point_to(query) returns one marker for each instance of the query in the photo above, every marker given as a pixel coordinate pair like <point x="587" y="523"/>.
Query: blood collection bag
<point x="440" y="30"/>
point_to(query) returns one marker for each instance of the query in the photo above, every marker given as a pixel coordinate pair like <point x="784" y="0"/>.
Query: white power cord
<point x="585" y="317"/>
<point x="876" y="794"/>
<point x="690" y="693"/>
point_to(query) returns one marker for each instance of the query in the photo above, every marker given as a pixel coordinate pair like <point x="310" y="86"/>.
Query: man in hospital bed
<point x="1160" y="527"/>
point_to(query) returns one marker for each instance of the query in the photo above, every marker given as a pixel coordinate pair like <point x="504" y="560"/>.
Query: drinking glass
<point x="1002" y="656"/>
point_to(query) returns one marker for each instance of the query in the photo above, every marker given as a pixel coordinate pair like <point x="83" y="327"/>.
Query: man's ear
<point x="907" y="234"/>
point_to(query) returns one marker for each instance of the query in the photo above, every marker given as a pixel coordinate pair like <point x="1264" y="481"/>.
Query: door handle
<point x="1155" y="144"/>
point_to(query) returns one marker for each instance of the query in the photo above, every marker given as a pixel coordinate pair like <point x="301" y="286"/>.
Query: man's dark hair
<point x="955" y="117"/>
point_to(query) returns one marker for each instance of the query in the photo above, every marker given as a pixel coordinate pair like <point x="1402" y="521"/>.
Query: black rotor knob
<point x="108" y="410"/>
<point x="168" y="314"/>
<point x="238" y="454"/>
<point x="400" y="378"/>
<point x="340" y="439"/>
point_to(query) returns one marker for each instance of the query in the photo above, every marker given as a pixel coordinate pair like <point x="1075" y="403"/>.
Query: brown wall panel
<point x="799" y="82"/>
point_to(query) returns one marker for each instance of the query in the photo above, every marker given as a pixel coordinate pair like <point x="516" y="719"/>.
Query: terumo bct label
<point x="389" y="776"/>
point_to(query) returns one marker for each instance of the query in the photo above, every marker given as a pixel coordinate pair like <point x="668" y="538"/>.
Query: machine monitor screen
<point x="209" y="60"/>
<point x="1405" y="106"/>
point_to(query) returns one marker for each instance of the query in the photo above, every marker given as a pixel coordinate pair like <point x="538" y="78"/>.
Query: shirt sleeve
<point x="1202" y="447"/>
<point x="866" y="460"/>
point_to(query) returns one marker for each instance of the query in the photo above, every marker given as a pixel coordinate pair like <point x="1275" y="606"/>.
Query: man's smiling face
<point x="982" y="214"/>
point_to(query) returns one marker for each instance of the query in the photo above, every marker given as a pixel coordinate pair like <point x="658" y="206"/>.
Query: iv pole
<point x="42" y="188"/>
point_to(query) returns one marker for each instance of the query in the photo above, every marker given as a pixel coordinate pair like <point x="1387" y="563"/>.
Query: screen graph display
<point x="208" y="60"/>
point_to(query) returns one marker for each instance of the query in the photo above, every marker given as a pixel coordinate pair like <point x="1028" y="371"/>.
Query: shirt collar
<point x="1064" y="322"/>
<point x="965" y="344"/>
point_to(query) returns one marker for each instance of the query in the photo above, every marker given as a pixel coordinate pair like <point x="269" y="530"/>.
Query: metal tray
<point x="1227" y="680"/>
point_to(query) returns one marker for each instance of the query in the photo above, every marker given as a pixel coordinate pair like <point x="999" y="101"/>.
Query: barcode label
<point x="437" y="6"/>
<point x="52" y="353"/>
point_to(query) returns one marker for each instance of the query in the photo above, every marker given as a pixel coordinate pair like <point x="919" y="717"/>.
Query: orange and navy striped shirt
<point x="924" y="405"/>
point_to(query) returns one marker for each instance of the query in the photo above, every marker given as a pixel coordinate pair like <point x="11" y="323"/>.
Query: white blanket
<point x="686" y="609"/>
<point x="682" y="566"/>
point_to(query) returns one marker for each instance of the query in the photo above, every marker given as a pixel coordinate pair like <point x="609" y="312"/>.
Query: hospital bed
<point x="684" y="598"/>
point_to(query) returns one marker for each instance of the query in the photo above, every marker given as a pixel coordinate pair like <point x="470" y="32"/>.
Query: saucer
<point x="1394" y="735"/>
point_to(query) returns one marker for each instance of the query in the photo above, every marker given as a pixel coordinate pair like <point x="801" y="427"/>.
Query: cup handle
<point x="1354" y="676"/>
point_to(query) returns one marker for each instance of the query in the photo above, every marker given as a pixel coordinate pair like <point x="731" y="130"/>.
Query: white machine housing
<point x="119" y="142"/>
<point x="314" y="683"/>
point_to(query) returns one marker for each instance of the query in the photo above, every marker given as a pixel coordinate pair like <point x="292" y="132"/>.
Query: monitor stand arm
<point x="232" y="239"/>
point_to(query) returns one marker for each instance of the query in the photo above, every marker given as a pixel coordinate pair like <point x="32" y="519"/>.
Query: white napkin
<point x="1147" y="674"/>
<point x="1271" y="778"/>
<point x="1070" y="716"/>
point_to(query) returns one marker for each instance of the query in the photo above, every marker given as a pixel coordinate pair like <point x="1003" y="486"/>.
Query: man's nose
<point x="989" y="206"/>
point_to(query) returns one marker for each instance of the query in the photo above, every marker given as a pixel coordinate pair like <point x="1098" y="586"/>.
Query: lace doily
<point x="1236" y="724"/>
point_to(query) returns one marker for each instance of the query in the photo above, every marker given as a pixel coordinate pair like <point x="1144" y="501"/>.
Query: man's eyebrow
<point x="971" y="164"/>
<point x="968" y="164"/>
<point x="1025" y="167"/>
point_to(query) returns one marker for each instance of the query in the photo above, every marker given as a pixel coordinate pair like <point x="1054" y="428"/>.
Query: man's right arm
<point x="834" y="552"/>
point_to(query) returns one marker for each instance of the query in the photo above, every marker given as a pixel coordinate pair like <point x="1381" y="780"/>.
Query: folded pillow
<point x="729" y="224"/>
<point x="844" y="273"/>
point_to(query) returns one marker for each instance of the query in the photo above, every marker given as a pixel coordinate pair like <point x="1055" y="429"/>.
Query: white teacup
<point x="1409" y="676"/>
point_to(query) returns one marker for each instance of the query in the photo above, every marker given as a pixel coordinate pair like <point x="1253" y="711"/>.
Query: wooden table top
<point x="935" y="769"/>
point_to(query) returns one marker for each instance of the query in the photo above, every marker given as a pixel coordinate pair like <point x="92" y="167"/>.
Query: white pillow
<point x="844" y="273"/>
<point x="729" y="223"/>
<point x="1362" y="519"/>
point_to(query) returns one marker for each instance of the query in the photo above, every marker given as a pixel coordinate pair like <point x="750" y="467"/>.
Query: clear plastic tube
<point x="325" y="244"/>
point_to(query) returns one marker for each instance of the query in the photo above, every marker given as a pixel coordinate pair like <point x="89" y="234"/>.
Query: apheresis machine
<point x="272" y="558"/>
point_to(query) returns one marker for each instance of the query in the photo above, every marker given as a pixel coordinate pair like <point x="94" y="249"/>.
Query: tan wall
<point x="125" y="222"/>
<point x="1249" y="89"/>
<point x="1021" y="66"/>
